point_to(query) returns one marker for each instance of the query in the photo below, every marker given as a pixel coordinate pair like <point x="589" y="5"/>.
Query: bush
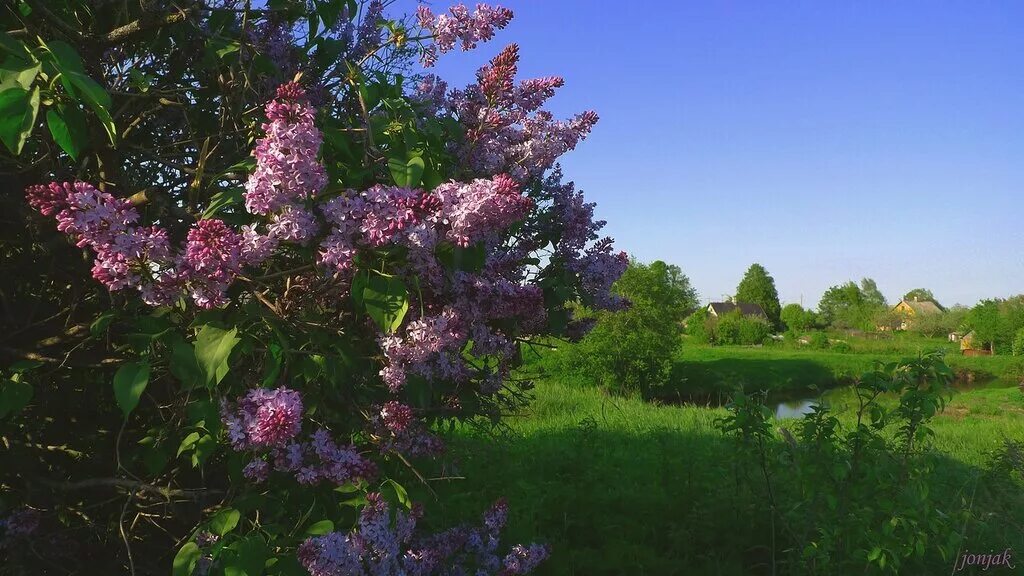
<point x="700" y="328"/>
<point x="1018" y="343"/>
<point x="304" y="261"/>
<point x="627" y="352"/>
<point x="735" y="328"/>
<point x="867" y="484"/>
<point x="796" y="318"/>
<point x="818" y="341"/>
<point x="630" y="351"/>
<point x="843" y="347"/>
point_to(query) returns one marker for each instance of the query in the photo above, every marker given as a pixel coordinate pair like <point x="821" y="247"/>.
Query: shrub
<point x="853" y="499"/>
<point x="818" y="341"/>
<point x="303" y="263"/>
<point x="630" y="351"/>
<point x="735" y="328"/>
<point x="700" y="328"/>
<point x="796" y="318"/>
<point x="627" y="352"/>
<point x="843" y="347"/>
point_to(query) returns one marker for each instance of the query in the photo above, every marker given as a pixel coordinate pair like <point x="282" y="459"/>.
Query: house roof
<point x="746" y="308"/>
<point x="922" y="306"/>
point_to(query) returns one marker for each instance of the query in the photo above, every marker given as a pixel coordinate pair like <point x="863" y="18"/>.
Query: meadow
<point x="626" y="486"/>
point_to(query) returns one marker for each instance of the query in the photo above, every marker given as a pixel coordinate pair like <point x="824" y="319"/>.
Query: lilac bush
<point x="302" y="317"/>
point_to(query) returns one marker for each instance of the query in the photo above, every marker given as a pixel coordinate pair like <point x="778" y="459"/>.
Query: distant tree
<point x="872" y="295"/>
<point x="988" y="327"/>
<point x="887" y="319"/>
<point x="758" y="287"/>
<point x="920" y="294"/>
<point x="933" y="325"/>
<point x="660" y="286"/>
<point x="1018" y="343"/>
<point x="847" y="305"/>
<point x="630" y="351"/>
<point x="795" y="317"/>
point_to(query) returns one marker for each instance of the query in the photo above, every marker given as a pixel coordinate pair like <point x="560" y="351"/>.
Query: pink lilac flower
<point x="424" y="348"/>
<point x="49" y="199"/>
<point x="293" y="223"/>
<point x="286" y="157"/>
<point x="482" y="207"/>
<point x="263" y="418"/>
<point x="256" y="247"/>
<point x="460" y="25"/>
<point x="396" y="416"/>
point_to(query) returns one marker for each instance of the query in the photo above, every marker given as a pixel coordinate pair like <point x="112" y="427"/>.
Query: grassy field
<point x="619" y="486"/>
<point x="713" y="371"/>
<point x="623" y="486"/>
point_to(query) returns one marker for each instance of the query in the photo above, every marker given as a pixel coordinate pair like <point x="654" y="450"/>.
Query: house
<point x="969" y="346"/>
<point x="910" y="309"/>
<point x="718" y="309"/>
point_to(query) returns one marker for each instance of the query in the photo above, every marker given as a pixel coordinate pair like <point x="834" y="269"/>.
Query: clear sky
<point x="826" y="140"/>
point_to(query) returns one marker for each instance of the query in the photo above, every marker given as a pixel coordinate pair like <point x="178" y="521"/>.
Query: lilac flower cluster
<point x="263" y="418"/>
<point x="505" y="127"/>
<point x="287" y="169"/>
<point x="267" y="422"/>
<point x="401" y="432"/>
<point x="459" y="25"/>
<point x="481" y="207"/>
<point x="381" y="545"/>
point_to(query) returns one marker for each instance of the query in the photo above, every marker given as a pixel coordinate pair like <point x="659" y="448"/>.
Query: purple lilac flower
<point x="263" y="418"/>
<point x="481" y="207"/>
<point x="386" y="543"/>
<point x="258" y="470"/>
<point x="286" y="164"/>
<point x="293" y="223"/>
<point x="460" y="25"/>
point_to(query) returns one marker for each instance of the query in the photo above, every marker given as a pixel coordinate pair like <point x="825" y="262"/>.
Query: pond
<point x="798" y="407"/>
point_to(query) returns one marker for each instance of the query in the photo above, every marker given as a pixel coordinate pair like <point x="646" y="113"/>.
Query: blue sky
<point x="826" y="140"/>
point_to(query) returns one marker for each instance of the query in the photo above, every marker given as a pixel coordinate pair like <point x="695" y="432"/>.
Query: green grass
<point x="620" y="486"/>
<point x="713" y="371"/>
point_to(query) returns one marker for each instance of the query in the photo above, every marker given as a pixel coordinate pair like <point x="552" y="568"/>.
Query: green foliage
<point x="736" y="328"/>
<point x="996" y="322"/>
<point x="700" y="328"/>
<point x="759" y="288"/>
<point x="130" y="382"/>
<point x="939" y="325"/>
<point x="796" y="318"/>
<point x="630" y="351"/>
<point x="833" y="492"/>
<point x="922" y="294"/>
<point x="1018" y="343"/>
<point x="851" y="306"/>
<point x="818" y="341"/>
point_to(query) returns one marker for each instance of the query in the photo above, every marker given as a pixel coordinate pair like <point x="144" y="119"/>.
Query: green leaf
<point x="18" y="108"/>
<point x="14" y="396"/>
<point x="320" y="528"/>
<point x="402" y="494"/>
<point x="185" y="560"/>
<point x="249" y="558"/>
<point x="224" y="521"/>
<point x="99" y="325"/>
<point x="185" y="366"/>
<point x="223" y="199"/>
<point x="18" y="72"/>
<point x="69" y="129"/>
<point x="129" y="383"/>
<point x="408" y="174"/>
<point x="274" y="362"/>
<point x="188" y="443"/>
<point x="205" y="447"/>
<point x="386" y="300"/>
<point x="213" y="347"/>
